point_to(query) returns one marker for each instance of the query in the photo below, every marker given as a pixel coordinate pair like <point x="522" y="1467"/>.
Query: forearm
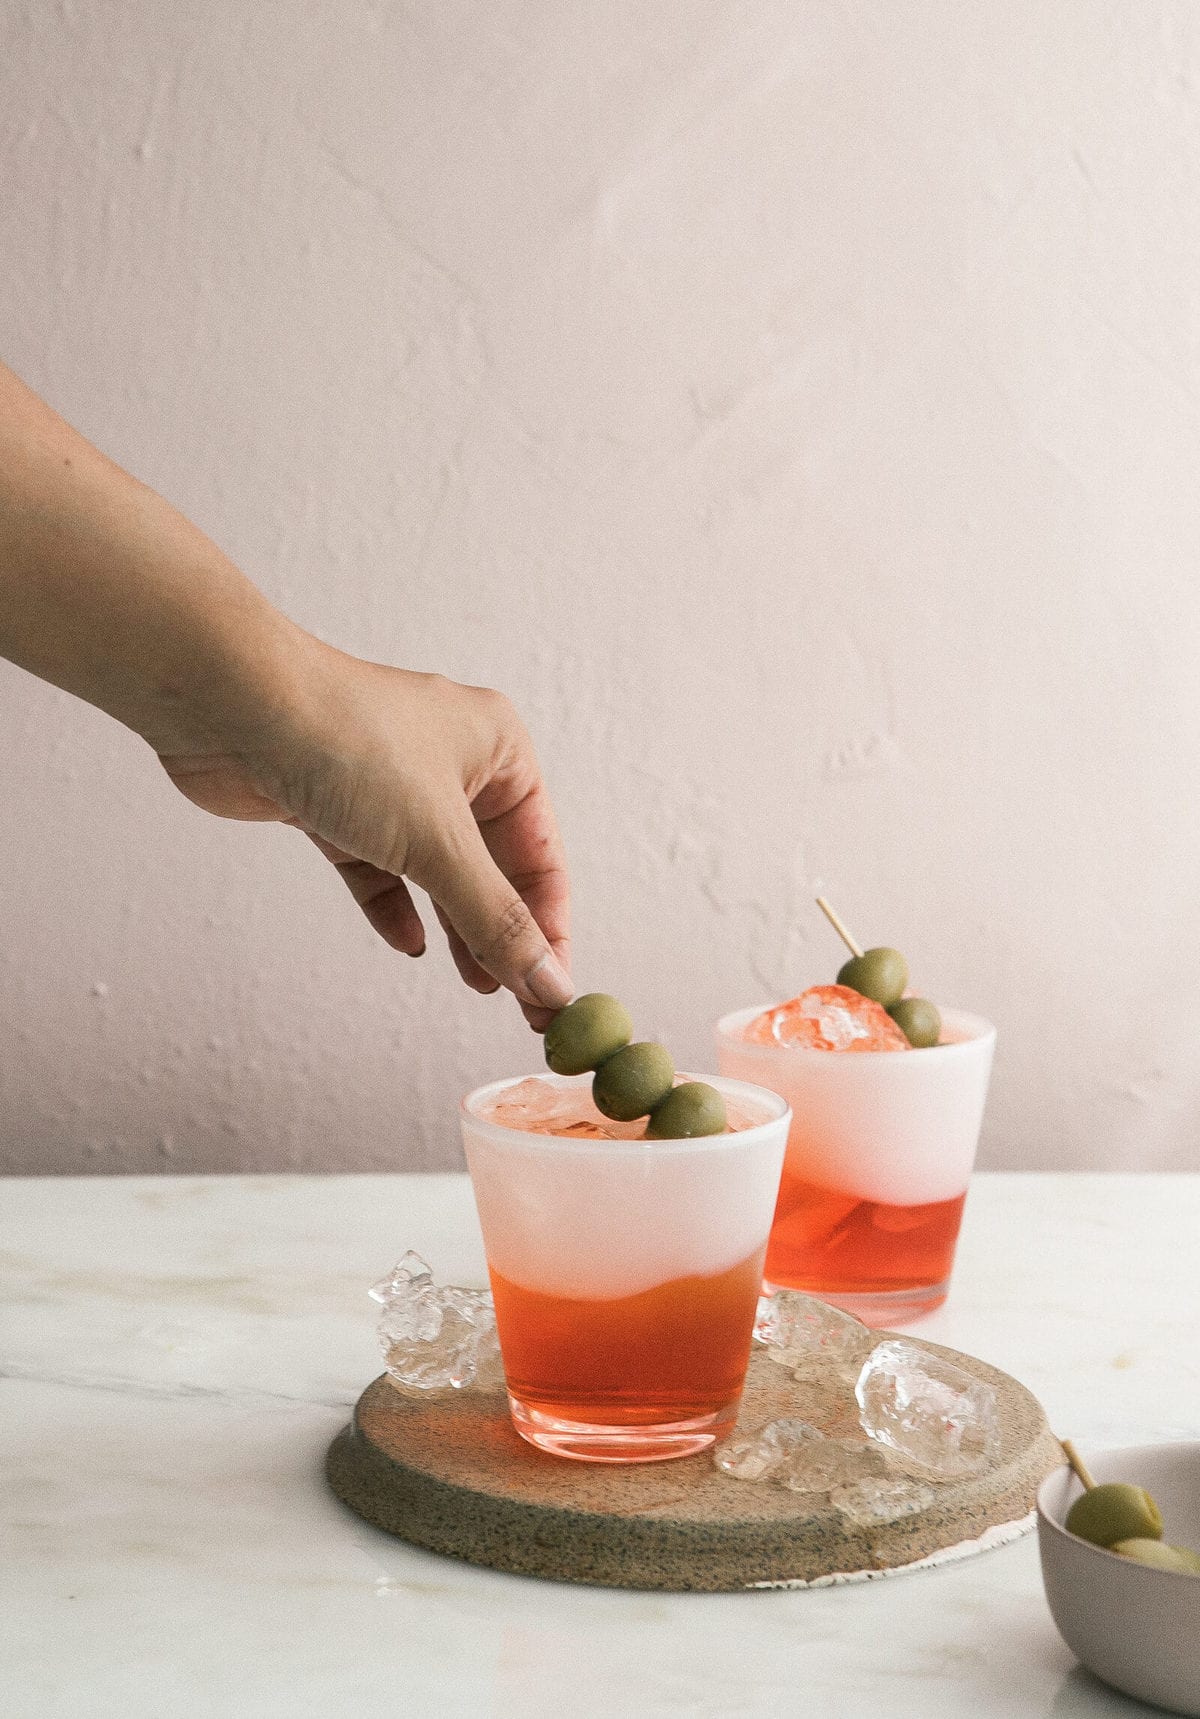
<point x="108" y="592"/>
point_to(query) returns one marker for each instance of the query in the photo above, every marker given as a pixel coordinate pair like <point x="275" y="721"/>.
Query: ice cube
<point x="531" y="1101"/>
<point x="828" y="1017"/>
<point x="849" y="1021"/>
<point x="435" y="1337"/>
<point x="537" y="1107"/>
<point x="759" y="1455"/>
<point x="800" y="1329"/>
<point x="794" y="1453"/>
<point x="935" y="1415"/>
<point x="835" y="1462"/>
<point x="785" y="1025"/>
<point x="872" y="1502"/>
<point x="839" y="1024"/>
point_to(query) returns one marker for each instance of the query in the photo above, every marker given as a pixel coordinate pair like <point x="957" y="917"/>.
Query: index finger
<point x="525" y="844"/>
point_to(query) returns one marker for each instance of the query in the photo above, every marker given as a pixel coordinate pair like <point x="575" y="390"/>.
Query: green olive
<point x="1115" y="1512"/>
<point x="1160" y="1556"/>
<point x="587" y="1031"/>
<point x="632" y="1081"/>
<point x="880" y="974"/>
<point x="687" y="1112"/>
<point x="918" y="1020"/>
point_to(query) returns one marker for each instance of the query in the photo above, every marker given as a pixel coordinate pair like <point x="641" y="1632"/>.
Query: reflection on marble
<point x="176" y="1354"/>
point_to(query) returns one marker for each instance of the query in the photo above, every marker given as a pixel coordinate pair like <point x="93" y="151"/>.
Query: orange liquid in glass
<point x="829" y="1243"/>
<point x="673" y="1352"/>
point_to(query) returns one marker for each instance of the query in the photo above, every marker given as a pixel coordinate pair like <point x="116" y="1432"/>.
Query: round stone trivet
<point x="448" y="1472"/>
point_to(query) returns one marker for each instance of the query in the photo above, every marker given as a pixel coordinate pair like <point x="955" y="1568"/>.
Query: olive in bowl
<point x="1133" y="1623"/>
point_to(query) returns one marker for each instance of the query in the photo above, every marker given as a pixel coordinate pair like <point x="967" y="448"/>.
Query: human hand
<point x="107" y="591"/>
<point x="405" y="778"/>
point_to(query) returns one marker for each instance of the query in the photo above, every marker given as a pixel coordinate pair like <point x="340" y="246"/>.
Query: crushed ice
<point x="924" y="1418"/>
<point x="794" y="1454"/>
<point x="763" y="1455"/>
<point x="799" y="1329"/>
<point x="434" y="1336"/>
<point x="930" y="1412"/>
<point x="838" y="1024"/>
<point x="871" y="1503"/>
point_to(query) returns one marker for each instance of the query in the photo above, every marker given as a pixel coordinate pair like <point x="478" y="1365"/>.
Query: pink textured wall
<point x="794" y="408"/>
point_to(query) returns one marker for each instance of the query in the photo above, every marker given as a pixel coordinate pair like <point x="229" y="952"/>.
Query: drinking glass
<point x="625" y="1274"/>
<point x="879" y="1154"/>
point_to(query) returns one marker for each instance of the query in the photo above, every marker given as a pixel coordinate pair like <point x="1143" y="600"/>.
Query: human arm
<point x="108" y="592"/>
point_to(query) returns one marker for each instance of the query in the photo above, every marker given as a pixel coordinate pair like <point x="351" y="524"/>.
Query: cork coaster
<point x="448" y="1472"/>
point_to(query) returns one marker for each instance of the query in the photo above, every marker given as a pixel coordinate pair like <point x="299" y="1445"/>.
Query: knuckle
<point x="498" y="709"/>
<point x="442" y="693"/>
<point x="510" y="929"/>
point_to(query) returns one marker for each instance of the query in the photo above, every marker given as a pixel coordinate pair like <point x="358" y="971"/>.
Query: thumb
<point x="493" y="921"/>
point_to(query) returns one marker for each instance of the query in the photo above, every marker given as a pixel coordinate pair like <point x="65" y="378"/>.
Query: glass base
<point x="881" y="1309"/>
<point x="586" y="1441"/>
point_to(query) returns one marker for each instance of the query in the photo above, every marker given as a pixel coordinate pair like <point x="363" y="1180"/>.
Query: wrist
<point x="245" y="682"/>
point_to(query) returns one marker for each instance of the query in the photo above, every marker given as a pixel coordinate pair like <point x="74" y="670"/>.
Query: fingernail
<point x="548" y="983"/>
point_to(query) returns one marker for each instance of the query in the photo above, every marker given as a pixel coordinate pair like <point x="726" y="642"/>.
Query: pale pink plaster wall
<point x="793" y="407"/>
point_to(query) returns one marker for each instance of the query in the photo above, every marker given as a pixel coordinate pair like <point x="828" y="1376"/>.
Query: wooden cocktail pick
<point x="833" y="919"/>
<point x="1077" y="1463"/>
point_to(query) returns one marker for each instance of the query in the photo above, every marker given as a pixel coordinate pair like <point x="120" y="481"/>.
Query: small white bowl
<point x="1135" y="1627"/>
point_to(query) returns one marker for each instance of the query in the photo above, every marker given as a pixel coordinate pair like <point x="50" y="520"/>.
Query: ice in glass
<point x="625" y="1271"/>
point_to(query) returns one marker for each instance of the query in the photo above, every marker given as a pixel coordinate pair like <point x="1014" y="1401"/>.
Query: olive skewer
<point x="882" y="975"/>
<point x="1123" y="1519"/>
<point x="592" y="1035"/>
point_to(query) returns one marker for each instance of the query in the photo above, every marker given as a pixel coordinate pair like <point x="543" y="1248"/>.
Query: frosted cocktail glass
<point x="879" y="1154"/>
<point x="625" y="1273"/>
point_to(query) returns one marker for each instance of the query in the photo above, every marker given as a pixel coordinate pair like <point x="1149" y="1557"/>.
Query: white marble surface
<point x="176" y="1353"/>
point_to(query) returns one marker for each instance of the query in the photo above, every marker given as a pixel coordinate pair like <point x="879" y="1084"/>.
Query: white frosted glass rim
<point x="755" y="1097"/>
<point x="979" y="1033"/>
